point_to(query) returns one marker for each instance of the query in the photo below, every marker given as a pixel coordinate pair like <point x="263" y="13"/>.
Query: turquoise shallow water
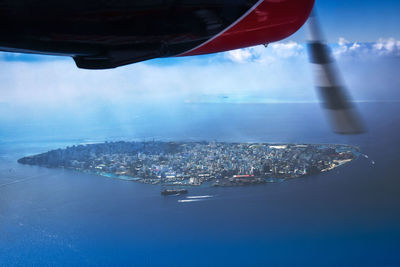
<point x="347" y="217"/>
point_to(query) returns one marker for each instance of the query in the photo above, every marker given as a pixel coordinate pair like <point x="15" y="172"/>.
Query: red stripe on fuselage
<point x="267" y="21"/>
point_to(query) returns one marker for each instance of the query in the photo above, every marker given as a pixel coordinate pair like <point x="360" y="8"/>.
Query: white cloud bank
<point x="287" y="50"/>
<point x="279" y="72"/>
<point x="240" y="55"/>
<point x="384" y="47"/>
<point x="261" y="54"/>
<point x="61" y="83"/>
<point x="388" y="47"/>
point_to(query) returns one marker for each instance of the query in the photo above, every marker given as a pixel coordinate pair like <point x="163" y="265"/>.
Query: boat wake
<point x="195" y="198"/>
<point x="199" y="197"/>
<point x="367" y="157"/>
<point x="189" y="200"/>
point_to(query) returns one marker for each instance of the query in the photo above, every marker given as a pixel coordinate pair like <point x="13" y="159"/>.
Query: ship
<point x="168" y="192"/>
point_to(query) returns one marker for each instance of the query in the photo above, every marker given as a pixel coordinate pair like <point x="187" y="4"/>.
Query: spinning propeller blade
<point x="333" y="93"/>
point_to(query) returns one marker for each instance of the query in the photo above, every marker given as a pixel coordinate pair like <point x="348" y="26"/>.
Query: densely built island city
<point x="197" y="163"/>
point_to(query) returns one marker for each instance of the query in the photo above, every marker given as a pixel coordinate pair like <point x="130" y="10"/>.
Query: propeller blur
<point x="336" y="100"/>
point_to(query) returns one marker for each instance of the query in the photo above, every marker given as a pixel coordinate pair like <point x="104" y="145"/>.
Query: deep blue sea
<point x="347" y="217"/>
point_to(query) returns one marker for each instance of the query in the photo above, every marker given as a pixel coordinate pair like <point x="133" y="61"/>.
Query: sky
<point x="359" y="20"/>
<point x="363" y="35"/>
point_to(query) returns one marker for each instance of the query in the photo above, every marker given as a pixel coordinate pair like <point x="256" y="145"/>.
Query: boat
<point x="168" y="192"/>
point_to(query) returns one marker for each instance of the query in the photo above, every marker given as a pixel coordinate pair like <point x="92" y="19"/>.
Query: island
<point x="198" y="163"/>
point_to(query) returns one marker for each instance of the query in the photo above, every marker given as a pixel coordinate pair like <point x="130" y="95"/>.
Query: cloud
<point x="388" y="47"/>
<point x="287" y="50"/>
<point x="342" y="41"/>
<point x="278" y="73"/>
<point x="240" y="55"/>
<point x="261" y="54"/>
<point x="291" y="50"/>
<point x="60" y="84"/>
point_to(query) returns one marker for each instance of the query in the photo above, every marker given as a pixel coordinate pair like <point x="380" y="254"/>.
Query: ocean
<point x="347" y="217"/>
